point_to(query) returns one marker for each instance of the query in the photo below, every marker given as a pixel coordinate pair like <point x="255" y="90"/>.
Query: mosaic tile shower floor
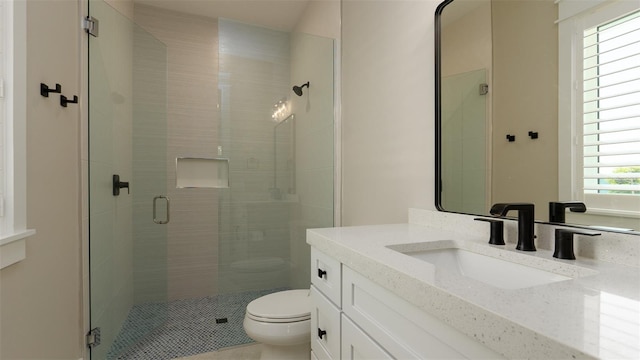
<point x="190" y="327"/>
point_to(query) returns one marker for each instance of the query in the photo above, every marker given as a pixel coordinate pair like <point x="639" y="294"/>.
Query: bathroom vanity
<point x="387" y="291"/>
<point x="355" y="318"/>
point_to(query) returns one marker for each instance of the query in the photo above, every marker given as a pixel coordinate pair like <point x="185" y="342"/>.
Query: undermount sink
<point x="487" y="269"/>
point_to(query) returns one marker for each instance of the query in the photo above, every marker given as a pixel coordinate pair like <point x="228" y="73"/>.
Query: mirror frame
<point x="438" y="104"/>
<point x="438" y="130"/>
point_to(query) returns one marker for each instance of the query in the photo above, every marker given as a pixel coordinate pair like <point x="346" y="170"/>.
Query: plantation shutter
<point x="611" y="107"/>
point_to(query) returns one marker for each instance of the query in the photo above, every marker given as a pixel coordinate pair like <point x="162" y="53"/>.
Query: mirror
<point x="499" y="135"/>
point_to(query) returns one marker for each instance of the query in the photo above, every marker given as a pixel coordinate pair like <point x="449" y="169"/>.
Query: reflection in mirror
<point x="511" y="126"/>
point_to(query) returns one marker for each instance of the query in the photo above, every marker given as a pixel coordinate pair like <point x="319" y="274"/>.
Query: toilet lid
<point x="293" y="305"/>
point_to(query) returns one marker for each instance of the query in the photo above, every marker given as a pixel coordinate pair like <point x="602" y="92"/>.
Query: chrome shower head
<point x="298" y="89"/>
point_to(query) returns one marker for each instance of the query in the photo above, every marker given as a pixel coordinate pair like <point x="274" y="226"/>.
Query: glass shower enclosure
<point x="208" y="217"/>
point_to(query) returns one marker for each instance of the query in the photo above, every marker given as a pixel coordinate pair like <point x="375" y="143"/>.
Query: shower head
<point x="298" y="89"/>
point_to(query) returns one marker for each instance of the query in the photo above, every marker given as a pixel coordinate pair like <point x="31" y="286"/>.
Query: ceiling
<point x="274" y="14"/>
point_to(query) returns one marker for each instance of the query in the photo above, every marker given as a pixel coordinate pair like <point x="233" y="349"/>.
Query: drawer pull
<point x="321" y="333"/>
<point x="321" y="273"/>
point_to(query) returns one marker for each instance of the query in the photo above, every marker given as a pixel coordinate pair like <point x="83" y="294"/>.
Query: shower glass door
<point x="127" y="137"/>
<point x="280" y="147"/>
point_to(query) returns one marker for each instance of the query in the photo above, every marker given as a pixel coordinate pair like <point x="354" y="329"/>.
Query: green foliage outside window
<point x="626" y="181"/>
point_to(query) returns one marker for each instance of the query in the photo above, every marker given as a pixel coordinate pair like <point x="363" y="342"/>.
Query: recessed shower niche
<point x="202" y="173"/>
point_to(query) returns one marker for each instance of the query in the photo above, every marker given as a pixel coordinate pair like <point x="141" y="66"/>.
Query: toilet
<point x="281" y="322"/>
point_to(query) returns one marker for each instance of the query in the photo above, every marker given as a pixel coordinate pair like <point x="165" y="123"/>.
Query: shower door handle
<point x="155" y="202"/>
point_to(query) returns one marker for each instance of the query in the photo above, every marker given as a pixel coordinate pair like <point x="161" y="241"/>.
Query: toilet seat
<point x="272" y="320"/>
<point x="281" y="307"/>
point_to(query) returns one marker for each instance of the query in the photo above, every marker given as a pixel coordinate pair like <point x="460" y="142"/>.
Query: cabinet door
<point x="325" y="327"/>
<point x="356" y="345"/>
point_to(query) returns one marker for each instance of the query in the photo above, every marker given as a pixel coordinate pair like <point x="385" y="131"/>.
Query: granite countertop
<point x="594" y="315"/>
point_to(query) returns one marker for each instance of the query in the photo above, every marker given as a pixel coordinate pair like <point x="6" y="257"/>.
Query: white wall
<point x="387" y="109"/>
<point x="40" y="297"/>
<point x="321" y="18"/>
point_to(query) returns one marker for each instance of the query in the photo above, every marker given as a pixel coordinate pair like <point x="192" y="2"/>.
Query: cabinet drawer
<point x="356" y="345"/>
<point x="326" y="275"/>
<point x="402" y="329"/>
<point x="325" y="327"/>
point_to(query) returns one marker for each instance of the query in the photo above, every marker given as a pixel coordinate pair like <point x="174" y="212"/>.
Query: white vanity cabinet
<point x="373" y="323"/>
<point x="326" y="288"/>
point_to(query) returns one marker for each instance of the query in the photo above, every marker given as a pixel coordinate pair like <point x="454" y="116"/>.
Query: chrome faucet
<point x="525" y="222"/>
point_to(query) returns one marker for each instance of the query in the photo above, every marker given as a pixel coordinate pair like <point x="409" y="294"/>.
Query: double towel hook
<point x="45" y="90"/>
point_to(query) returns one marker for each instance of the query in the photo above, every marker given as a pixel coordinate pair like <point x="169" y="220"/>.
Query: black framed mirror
<point x="501" y="114"/>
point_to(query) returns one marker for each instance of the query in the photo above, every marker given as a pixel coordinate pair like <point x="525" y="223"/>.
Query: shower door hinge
<point x="93" y="338"/>
<point x="484" y="89"/>
<point x="91" y="25"/>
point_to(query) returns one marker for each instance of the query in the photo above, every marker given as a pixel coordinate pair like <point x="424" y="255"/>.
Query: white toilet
<point x="281" y="322"/>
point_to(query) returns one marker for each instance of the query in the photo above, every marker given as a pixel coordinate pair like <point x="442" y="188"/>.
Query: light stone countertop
<point x="595" y="315"/>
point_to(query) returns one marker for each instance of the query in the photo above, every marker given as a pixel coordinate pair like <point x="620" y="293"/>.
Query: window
<point x="611" y="112"/>
<point x="599" y="105"/>
<point x="13" y="229"/>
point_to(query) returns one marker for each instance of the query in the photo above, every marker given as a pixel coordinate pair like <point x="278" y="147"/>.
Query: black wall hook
<point x="533" y="134"/>
<point x="511" y="138"/>
<point x="45" y="90"/>
<point x="64" y="101"/>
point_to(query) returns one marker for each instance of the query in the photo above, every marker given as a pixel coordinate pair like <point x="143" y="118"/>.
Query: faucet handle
<point x="564" y="242"/>
<point x="496" y="236"/>
<point x="557" y="209"/>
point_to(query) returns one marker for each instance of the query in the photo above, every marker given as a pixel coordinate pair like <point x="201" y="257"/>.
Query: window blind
<point x="611" y="107"/>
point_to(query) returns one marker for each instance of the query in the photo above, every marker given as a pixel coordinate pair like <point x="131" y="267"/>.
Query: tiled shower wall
<point x="192" y="131"/>
<point x="149" y="173"/>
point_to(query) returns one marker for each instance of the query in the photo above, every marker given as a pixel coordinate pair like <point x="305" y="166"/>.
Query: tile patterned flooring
<point x="190" y="328"/>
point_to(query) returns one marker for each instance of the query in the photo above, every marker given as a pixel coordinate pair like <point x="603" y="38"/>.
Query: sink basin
<point x="489" y="270"/>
